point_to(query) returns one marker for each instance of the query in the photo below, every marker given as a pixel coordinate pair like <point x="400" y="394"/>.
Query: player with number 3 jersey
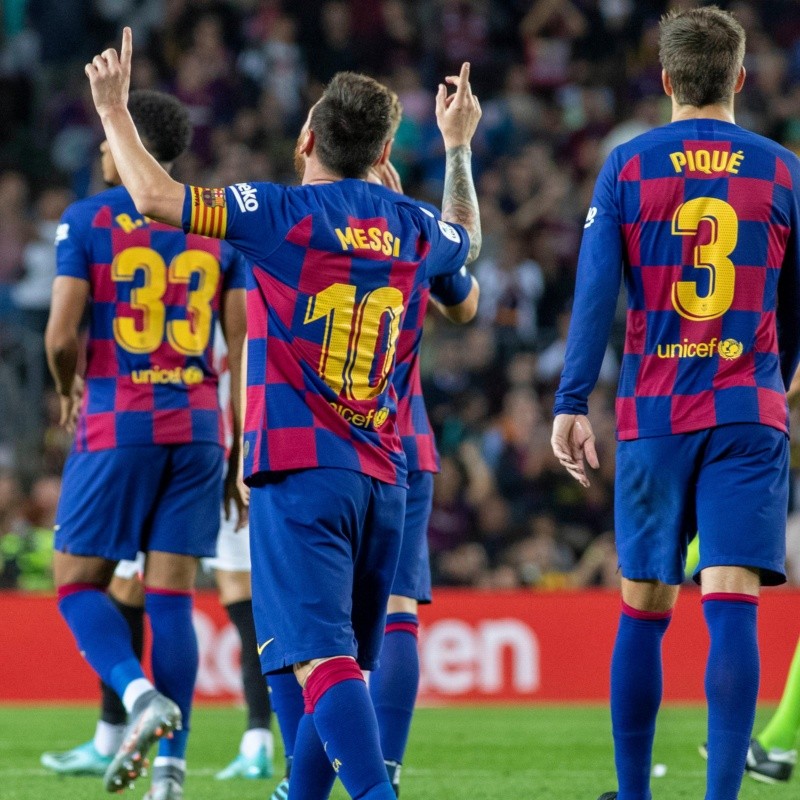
<point x="701" y="219"/>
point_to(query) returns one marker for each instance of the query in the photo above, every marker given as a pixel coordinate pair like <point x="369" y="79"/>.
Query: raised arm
<point x="154" y="193"/>
<point x="457" y="116"/>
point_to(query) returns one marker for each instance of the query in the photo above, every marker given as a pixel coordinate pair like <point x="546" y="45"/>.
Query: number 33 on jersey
<point x="697" y="218"/>
<point x="155" y="295"/>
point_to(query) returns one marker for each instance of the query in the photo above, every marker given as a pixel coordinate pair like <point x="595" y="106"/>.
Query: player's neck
<point x="315" y="173"/>
<point x="720" y="112"/>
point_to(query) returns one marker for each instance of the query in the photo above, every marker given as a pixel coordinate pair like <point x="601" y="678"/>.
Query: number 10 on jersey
<point x="352" y="337"/>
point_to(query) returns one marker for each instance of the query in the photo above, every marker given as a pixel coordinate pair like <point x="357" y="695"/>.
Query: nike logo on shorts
<point x="262" y="646"/>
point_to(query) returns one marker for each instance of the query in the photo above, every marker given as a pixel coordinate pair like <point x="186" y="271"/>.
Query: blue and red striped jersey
<point x="413" y="424"/>
<point x="334" y="269"/>
<point x="155" y="297"/>
<point x="701" y="218"/>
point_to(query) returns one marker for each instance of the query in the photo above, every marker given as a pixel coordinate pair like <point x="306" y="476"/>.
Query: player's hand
<point x="71" y="405"/>
<point x="236" y="497"/>
<point x="573" y="441"/>
<point x="457" y="114"/>
<point x="386" y="175"/>
<point x="110" y="75"/>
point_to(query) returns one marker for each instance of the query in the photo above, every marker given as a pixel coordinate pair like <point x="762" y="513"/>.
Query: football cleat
<point x="253" y="767"/>
<point x="281" y="791"/>
<point x="159" y="718"/>
<point x="769" y="766"/>
<point x="81" y="760"/>
<point x="166" y="789"/>
<point x="608" y="796"/>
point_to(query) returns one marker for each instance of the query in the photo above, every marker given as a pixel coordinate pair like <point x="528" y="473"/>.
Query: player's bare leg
<point x="394" y="684"/>
<point x="730" y="603"/>
<point x="256" y="749"/>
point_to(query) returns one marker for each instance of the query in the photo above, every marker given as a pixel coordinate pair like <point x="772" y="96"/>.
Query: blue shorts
<point x="141" y="497"/>
<point x="730" y="483"/>
<point x="413" y="577"/>
<point x="324" y="545"/>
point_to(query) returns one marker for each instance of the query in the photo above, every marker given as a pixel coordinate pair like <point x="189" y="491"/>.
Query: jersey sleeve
<point x="451" y="290"/>
<point x="449" y="242"/>
<point x="788" y="311"/>
<point x="234" y="269"/>
<point x="73" y="256"/>
<point x="252" y="217"/>
<point x="596" y="291"/>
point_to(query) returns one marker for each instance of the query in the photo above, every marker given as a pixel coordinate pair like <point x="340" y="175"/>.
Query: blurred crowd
<point x="561" y="83"/>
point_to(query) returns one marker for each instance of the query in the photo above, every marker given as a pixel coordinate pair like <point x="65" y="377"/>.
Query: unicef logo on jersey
<point x="730" y="349"/>
<point x="246" y="196"/>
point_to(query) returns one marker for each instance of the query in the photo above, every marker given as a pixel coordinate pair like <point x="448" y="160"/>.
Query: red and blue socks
<point x="175" y="662"/>
<point x="732" y="675"/>
<point x="103" y="637"/>
<point x="636" y="686"/>
<point x="337" y="698"/>
<point x="393" y="687"/>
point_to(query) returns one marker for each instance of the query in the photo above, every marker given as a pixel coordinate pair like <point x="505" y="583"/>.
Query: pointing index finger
<point x="463" y="81"/>
<point x="127" y="47"/>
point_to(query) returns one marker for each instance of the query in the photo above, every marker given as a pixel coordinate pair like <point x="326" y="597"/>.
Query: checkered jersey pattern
<point x="335" y="268"/>
<point x="702" y="218"/>
<point x="155" y="297"/>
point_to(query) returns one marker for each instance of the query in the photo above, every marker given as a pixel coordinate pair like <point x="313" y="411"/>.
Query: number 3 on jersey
<point x="351" y="339"/>
<point x="712" y="256"/>
<point x="187" y="336"/>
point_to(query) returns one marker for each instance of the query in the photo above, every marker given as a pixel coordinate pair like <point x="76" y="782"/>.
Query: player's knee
<point x="651" y="596"/>
<point x="170" y="571"/>
<point x="303" y="669"/>
<point x="731" y="580"/>
<point x="127" y="590"/>
<point x="72" y="569"/>
<point x="234" y="587"/>
<point x="401" y="605"/>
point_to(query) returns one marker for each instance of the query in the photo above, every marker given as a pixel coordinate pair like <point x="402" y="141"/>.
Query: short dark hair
<point x="702" y="50"/>
<point x="162" y="122"/>
<point x="351" y="123"/>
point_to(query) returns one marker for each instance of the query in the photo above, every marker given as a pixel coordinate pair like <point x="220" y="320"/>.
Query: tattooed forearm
<point x="460" y="203"/>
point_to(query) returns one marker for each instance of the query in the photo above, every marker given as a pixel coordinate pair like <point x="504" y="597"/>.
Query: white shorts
<point x="130" y="569"/>
<point x="233" y="548"/>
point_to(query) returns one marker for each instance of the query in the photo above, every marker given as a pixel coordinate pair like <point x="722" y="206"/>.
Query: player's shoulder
<point x="115" y="199"/>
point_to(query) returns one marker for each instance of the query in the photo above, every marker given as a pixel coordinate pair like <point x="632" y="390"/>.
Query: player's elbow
<point x="147" y="201"/>
<point x="466" y="310"/>
<point x="59" y="342"/>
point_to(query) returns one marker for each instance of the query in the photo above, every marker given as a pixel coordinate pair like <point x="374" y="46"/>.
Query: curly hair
<point x="162" y="122"/>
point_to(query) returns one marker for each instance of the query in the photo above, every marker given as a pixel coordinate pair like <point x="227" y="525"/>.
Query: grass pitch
<point x="489" y="753"/>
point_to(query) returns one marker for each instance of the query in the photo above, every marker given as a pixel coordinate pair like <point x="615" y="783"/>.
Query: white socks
<point x="108" y="738"/>
<point x="254" y="739"/>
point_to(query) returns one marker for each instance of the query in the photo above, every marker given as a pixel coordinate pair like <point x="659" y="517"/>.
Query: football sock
<point x="337" y="696"/>
<point x="287" y="702"/>
<point x="256" y="693"/>
<point x="636" y="684"/>
<point x="312" y="774"/>
<point x="175" y="658"/>
<point x="253" y="740"/>
<point x="108" y="737"/>
<point x="781" y="731"/>
<point x="393" y="686"/>
<point x="102" y="634"/>
<point x="167" y="767"/>
<point x="731" y="689"/>
<point x="112" y="710"/>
